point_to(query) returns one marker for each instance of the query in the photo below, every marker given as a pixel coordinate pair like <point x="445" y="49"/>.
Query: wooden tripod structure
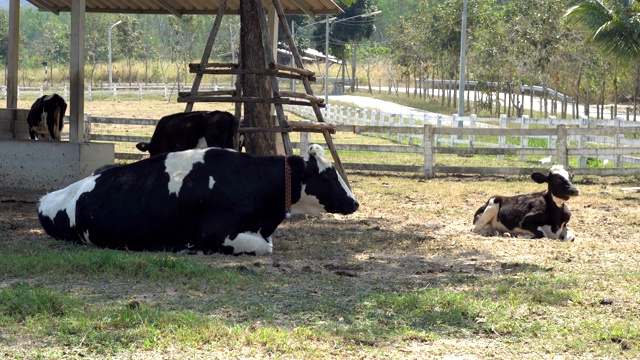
<point x="272" y="70"/>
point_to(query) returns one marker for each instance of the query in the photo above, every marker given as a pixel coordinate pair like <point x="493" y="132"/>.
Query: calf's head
<point x="560" y="183"/>
<point x="323" y="190"/>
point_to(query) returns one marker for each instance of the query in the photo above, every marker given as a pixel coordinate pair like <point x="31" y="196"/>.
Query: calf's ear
<point x="539" y="177"/>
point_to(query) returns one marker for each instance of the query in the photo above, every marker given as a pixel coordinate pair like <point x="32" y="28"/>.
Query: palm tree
<point x="612" y="30"/>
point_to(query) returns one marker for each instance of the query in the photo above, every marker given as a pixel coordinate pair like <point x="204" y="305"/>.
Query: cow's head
<point x="323" y="190"/>
<point x="560" y="184"/>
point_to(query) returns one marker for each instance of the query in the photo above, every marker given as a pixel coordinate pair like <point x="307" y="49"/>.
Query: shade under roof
<point x="180" y="7"/>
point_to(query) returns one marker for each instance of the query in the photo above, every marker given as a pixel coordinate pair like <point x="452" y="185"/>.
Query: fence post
<point x="438" y="124"/>
<point x="524" y="140"/>
<point x="166" y="93"/>
<point x="86" y="136"/>
<point x="427" y="147"/>
<point x="305" y="140"/>
<point x="454" y="120"/>
<point x="3" y="92"/>
<point x="139" y="92"/>
<point x="582" y="142"/>
<point x="502" y="122"/>
<point x="628" y="111"/>
<point x="66" y="97"/>
<point x="616" y="143"/>
<point x="115" y="93"/>
<point x="472" y="124"/>
<point x="562" y="146"/>
<point x="550" y="139"/>
<point x="90" y="93"/>
<point x="41" y="91"/>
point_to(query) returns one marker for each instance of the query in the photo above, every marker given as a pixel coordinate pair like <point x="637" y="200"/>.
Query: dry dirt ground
<point x="417" y="232"/>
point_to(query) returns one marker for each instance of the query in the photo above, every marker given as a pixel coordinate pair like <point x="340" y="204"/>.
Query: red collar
<point x="287" y="189"/>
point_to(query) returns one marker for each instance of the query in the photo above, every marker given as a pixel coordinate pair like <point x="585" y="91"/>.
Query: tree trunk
<point x="252" y="48"/>
<point x="577" y="97"/>
<point x="615" y="89"/>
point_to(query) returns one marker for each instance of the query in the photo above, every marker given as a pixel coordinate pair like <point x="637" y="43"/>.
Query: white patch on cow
<point x="179" y="164"/>
<point x="56" y="123"/>
<point x="308" y="204"/>
<point x="317" y="151"/>
<point x="568" y="236"/>
<point x="202" y="143"/>
<point x="85" y="238"/>
<point x="211" y="182"/>
<point x="41" y="129"/>
<point x="250" y="242"/>
<point x="66" y="199"/>
<point x="559" y="202"/>
<point x="560" y="170"/>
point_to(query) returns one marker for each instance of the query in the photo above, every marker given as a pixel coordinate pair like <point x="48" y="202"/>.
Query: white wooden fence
<point x="432" y="135"/>
<point x="606" y="140"/>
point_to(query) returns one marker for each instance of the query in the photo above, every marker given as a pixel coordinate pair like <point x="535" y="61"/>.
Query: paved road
<point x="381" y="105"/>
<point x="367" y="102"/>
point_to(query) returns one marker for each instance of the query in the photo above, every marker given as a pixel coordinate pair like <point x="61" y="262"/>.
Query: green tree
<point x="4" y="35"/>
<point x="96" y="44"/>
<point x="185" y="30"/>
<point x="348" y="32"/>
<point x="613" y="30"/>
<point x="129" y="37"/>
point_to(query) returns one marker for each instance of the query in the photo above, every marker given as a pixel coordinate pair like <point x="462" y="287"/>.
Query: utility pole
<point x="326" y="60"/>
<point x="110" y="65"/>
<point x="463" y="54"/>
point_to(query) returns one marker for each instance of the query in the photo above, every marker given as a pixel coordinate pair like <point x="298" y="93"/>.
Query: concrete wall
<point x="49" y="165"/>
<point x="13" y="124"/>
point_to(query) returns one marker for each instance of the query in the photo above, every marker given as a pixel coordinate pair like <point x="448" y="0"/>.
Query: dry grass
<point x="345" y="282"/>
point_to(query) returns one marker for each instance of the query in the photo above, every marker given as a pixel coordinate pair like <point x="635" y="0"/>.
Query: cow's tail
<point x="143" y="146"/>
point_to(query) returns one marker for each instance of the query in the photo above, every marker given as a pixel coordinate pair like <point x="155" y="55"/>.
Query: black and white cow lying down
<point x="536" y="215"/>
<point x="192" y="130"/>
<point x="46" y="117"/>
<point x="203" y="200"/>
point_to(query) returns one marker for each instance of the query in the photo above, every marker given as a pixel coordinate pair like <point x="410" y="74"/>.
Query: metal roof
<point x="180" y="7"/>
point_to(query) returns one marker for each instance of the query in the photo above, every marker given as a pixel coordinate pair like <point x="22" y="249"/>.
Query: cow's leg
<point x="566" y="234"/>
<point x="534" y="223"/>
<point x="485" y="217"/>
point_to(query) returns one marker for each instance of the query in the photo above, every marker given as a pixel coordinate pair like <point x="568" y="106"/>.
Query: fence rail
<point x="431" y="135"/>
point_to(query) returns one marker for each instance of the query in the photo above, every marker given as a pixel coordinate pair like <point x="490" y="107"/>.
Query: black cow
<point x="537" y="215"/>
<point x="192" y="130"/>
<point x="201" y="200"/>
<point x="46" y="117"/>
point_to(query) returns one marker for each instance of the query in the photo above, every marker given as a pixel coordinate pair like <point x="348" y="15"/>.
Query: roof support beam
<point x="303" y="7"/>
<point x="165" y="5"/>
<point x="12" y="54"/>
<point x="44" y="4"/>
<point x="76" y="72"/>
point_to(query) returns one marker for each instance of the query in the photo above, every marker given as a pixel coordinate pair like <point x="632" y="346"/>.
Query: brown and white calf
<point x="537" y="215"/>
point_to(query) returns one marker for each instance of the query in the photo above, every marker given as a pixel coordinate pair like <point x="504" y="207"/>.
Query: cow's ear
<point x="317" y="152"/>
<point x="539" y="177"/>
